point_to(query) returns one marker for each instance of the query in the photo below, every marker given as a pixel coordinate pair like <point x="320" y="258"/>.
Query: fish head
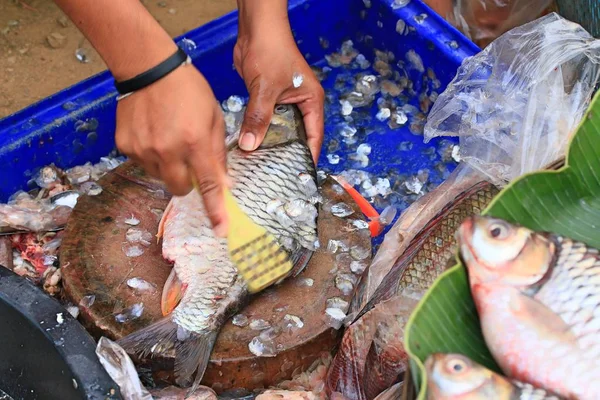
<point x="455" y="376"/>
<point x="498" y="252"/>
<point x="286" y="126"/>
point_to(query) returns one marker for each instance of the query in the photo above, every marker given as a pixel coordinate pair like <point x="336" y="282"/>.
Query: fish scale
<point x="440" y="245"/>
<point x="204" y="288"/>
<point x="540" y="309"/>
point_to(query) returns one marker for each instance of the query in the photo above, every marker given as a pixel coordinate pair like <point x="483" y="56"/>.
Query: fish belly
<point x="530" y="351"/>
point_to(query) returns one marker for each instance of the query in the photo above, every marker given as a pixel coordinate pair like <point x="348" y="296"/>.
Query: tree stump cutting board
<point x="97" y="262"/>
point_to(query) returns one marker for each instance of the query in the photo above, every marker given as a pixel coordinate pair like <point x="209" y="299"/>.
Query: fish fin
<point x="300" y="259"/>
<point x="540" y="317"/>
<point x="163" y="218"/>
<point x="172" y="293"/>
<point x="156" y="338"/>
<point x="191" y="353"/>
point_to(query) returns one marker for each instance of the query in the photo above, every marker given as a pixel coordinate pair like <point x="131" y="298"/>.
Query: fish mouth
<point x="468" y="256"/>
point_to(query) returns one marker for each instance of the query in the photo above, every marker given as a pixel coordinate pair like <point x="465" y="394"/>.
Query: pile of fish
<point x="537" y="297"/>
<point x="371" y="356"/>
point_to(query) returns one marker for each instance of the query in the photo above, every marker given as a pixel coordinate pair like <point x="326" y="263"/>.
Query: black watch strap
<point x="152" y="75"/>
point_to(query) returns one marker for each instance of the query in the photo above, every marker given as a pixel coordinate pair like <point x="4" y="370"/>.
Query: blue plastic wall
<point x="77" y="124"/>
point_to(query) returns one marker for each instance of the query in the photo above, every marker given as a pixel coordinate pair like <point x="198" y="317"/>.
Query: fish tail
<point x="192" y="352"/>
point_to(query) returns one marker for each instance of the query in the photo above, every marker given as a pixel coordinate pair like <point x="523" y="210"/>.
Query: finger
<point x="219" y="147"/>
<point x="177" y="177"/>
<point x="256" y="118"/>
<point x="312" y="112"/>
<point x="209" y="179"/>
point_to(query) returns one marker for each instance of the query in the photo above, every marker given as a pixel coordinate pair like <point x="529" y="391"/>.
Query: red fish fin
<point x="192" y="350"/>
<point x="540" y="317"/>
<point x="365" y="207"/>
<point x="172" y="293"/>
<point x="163" y="218"/>
<point x="300" y="260"/>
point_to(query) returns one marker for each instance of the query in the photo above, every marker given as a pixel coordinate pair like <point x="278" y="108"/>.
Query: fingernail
<point x="247" y="141"/>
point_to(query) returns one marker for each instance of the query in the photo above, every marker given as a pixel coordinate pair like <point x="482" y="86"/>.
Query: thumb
<point x="256" y="118"/>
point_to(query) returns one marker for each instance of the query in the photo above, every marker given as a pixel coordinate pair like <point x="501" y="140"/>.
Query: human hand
<point x="175" y="130"/>
<point x="267" y="59"/>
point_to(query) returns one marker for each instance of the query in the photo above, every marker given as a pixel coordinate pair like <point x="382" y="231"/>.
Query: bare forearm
<point x="259" y="16"/>
<point x="124" y="33"/>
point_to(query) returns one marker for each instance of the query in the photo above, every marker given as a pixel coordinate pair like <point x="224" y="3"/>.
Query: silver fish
<point x="204" y="289"/>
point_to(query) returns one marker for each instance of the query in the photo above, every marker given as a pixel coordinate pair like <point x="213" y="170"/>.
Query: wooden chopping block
<point x="95" y="271"/>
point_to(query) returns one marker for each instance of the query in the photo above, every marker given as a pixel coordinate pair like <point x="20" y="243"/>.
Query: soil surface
<point x="38" y="45"/>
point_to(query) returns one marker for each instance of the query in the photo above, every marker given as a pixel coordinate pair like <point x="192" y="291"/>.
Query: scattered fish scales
<point x="259" y="325"/>
<point x="141" y="285"/>
<point x="339" y="303"/>
<point x="269" y="334"/>
<point x="73" y="310"/>
<point x="293" y="322"/>
<point x="345" y="283"/>
<point x="341" y="210"/>
<point x="262" y="348"/>
<point x="387" y="215"/>
<point x="130" y="313"/>
<point x="136" y="235"/>
<point x="336" y="317"/>
<point x="358" y="266"/>
<point x="132" y="250"/>
<point x="334" y="245"/>
<point x="333" y="159"/>
<point x="234" y="104"/>
<point x="87" y="301"/>
<point x="305" y="282"/>
<point x="359" y="253"/>
<point x="297" y="80"/>
<point x="133" y="221"/>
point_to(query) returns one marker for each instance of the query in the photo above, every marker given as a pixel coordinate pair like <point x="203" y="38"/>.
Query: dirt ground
<point x="33" y="67"/>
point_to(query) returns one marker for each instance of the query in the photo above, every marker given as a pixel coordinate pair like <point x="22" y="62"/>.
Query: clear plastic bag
<point x="485" y="20"/>
<point x="514" y="106"/>
<point x="121" y="369"/>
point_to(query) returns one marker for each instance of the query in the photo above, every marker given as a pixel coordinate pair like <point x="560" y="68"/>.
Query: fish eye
<point x="281" y="108"/>
<point x="456" y="365"/>
<point x="498" y="231"/>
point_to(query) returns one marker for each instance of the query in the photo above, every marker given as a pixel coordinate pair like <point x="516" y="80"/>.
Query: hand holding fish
<point x="275" y="72"/>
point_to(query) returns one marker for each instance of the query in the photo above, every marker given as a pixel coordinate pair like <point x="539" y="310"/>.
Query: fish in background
<point x="538" y="299"/>
<point x="457" y="377"/>
<point x="371" y="356"/>
<point x="276" y="185"/>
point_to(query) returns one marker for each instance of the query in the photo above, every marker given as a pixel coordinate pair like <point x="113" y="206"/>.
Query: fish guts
<point x="538" y="298"/>
<point x="456" y="377"/>
<point x="276" y="186"/>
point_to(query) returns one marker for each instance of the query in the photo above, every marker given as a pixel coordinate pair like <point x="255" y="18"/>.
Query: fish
<point x="537" y="295"/>
<point x="454" y="376"/>
<point x="365" y="365"/>
<point x="371" y="356"/>
<point x="276" y="186"/>
<point x="433" y="249"/>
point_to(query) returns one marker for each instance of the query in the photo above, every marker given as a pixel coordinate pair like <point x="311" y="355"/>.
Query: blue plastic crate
<point x="51" y="131"/>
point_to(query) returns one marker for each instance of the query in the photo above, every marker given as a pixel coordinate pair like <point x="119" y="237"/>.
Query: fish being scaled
<point x="276" y="185"/>
<point x="457" y="377"/>
<point x="538" y="299"/>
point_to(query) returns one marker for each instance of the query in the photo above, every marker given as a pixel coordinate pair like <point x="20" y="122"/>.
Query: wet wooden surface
<point x="96" y="267"/>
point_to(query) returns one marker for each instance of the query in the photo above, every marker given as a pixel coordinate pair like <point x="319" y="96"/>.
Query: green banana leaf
<point x="566" y="202"/>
